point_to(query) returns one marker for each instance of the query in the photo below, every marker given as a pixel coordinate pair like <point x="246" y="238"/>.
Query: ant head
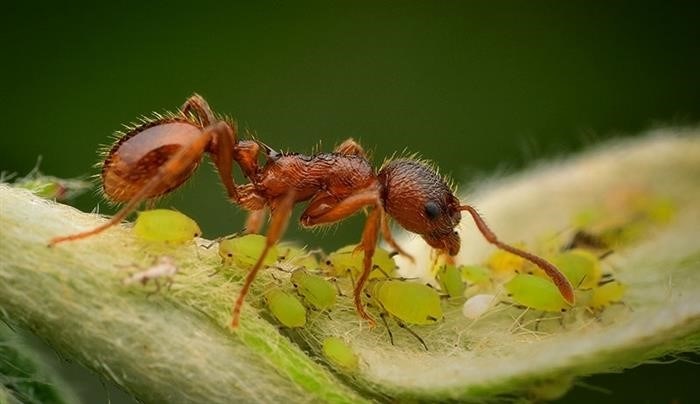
<point x="420" y="200"/>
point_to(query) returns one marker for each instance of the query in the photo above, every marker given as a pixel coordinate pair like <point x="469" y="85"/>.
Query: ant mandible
<point x="158" y="156"/>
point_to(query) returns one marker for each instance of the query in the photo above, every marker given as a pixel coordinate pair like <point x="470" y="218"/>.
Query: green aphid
<point x="339" y="353"/>
<point x="450" y="279"/>
<point x="408" y="302"/>
<point x="244" y="251"/>
<point x="607" y="294"/>
<point x="165" y="225"/>
<point x="296" y="257"/>
<point x="348" y="262"/>
<point x="580" y="267"/>
<point x="286" y="308"/>
<point x="475" y="274"/>
<point x="536" y="293"/>
<point x="48" y="187"/>
<point x="316" y="290"/>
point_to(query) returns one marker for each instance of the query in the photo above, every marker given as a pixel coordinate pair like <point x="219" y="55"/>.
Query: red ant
<point x="155" y="158"/>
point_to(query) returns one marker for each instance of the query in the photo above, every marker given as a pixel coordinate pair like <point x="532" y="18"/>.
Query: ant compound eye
<point x="432" y="210"/>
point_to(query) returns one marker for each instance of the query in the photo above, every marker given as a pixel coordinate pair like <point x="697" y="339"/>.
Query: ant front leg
<point x="278" y="224"/>
<point x="321" y="212"/>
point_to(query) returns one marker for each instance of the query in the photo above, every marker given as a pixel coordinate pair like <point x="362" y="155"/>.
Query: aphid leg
<point x="407" y="328"/>
<point x="386" y="233"/>
<point x="539" y="320"/>
<point x="557" y="277"/>
<point x="382" y="315"/>
<point x="278" y="224"/>
<point x="255" y="221"/>
<point x="172" y="169"/>
<point x="320" y="212"/>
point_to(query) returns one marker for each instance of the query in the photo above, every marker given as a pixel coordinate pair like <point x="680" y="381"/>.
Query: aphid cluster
<point x="157" y="156"/>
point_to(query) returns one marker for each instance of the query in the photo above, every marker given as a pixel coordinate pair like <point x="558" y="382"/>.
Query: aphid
<point x="583" y="239"/>
<point x="244" y="251"/>
<point x="156" y="157"/>
<point x="407" y="303"/>
<point x="165" y="225"/>
<point x="163" y="268"/>
<point x="347" y="261"/>
<point x="477" y="305"/>
<point x="339" y="353"/>
<point x="450" y="279"/>
<point x="286" y="308"/>
<point x="536" y="293"/>
<point x="607" y="294"/>
<point x="475" y="274"/>
<point x="316" y="290"/>
<point x="49" y="187"/>
<point x="504" y="263"/>
<point x="410" y="302"/>
<point x="296" y="257"/>
<point x="580" y="267"/>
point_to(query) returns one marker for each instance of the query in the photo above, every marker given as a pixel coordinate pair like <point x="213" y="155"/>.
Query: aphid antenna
<point x="218" y="240"/>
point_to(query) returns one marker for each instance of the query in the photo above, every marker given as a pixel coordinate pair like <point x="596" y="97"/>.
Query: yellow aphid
<point x="536" y="293"/>
<point x="348" y="262"/>
<point x="580" y="267"/>
<point x="505" y="264"/>
<point x="286" y="308"/>
<point x="245" y="250"/>
<point x="339" y="353"/>
<point x="165" y="225"/>
<point x="475" y="274"/>
<point x="607" y="294"/>
<point x="296" y="257"/>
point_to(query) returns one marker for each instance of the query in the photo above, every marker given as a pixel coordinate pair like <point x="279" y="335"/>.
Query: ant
<point x="155" y="158"/>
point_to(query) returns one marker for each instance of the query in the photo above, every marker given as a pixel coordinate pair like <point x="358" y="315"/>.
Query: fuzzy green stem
<point x="176" y="345"/>
<point x="169" y="347"/>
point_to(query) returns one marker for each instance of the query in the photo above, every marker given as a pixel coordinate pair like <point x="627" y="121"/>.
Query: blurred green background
<point x="478" y="87"/>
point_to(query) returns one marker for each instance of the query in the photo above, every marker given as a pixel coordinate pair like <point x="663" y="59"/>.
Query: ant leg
<point x="221" y="151"/>
<point x="341" y="210"/>
<point x="172" y="169"/>
<point x="254" y="222"/>
<point x="280" y="218"/>
<point x="199" y="106"/>
<point x="559" y="279"/>
<point x="350" y="148"/>
<point x="386" y="233"/>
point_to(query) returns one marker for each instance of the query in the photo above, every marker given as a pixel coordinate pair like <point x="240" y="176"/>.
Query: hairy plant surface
<point x="175" y="345"/>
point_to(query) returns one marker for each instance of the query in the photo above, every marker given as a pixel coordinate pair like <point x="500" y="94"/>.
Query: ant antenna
<point x="559" y="279"/>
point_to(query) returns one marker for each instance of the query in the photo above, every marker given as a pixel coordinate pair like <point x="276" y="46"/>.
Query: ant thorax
<point x="334" y="174"/>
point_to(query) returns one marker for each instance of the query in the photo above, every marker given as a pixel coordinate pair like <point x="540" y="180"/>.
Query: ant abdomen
<point x="417" y="197"/>
<point x="137" y="156"/>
